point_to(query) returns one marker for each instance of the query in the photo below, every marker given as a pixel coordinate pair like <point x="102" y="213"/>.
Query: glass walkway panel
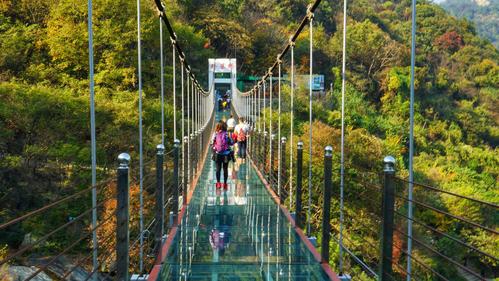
<point x="236" y="234"/>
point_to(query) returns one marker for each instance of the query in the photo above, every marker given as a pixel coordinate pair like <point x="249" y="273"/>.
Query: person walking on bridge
<point x="241" y="132"/>
<point x="231" y="124"/>
<point x="222" y="153"/>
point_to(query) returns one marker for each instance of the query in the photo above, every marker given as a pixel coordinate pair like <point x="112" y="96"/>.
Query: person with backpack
<point x="241" y="133"/>
<point x="222" y="153"/>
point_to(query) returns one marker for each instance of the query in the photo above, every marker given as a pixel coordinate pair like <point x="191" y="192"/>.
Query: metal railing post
<point x="299" y="183"/>
<point x="122" y="219"/>
<point x="282" y="168"/>
<point x="388" y="202"/>
<point x="176" y="182"/>
<point x="160" y="196"/>
<point x="326" y="219"/>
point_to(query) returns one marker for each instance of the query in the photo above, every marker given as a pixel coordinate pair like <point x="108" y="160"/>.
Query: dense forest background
<point x="44" y="114"/>
<point x="484" y="13"/>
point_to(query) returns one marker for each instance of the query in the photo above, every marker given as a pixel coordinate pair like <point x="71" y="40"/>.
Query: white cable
<point x="264" y="105"/>
<point x="182" y="120"/>
<point x="174" y="94"/>
<point x="162" y="76"/>
<point x="270" y="124"/>
<point x="411" y="144"/>
<point x="291" y="147"/>
<point x="93" y="148"/>
<point x="279" y="145"/>
<point x="310" y="131"/>
<point x="188" y="120"/>
<point x="141" y="160"/>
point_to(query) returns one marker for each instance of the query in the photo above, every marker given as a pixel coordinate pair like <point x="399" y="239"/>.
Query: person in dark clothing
<point x="222" y="152"/>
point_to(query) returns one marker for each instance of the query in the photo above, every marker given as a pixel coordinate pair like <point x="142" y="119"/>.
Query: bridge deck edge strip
<point x="153" y="276"/>
<point x="325" y="266"/>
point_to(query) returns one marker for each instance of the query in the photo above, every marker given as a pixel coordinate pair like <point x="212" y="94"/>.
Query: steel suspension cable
<point x="311" y="18"/>
<point x="162" y="71"/>
<point x="141" y="158"/>
<point x="259" y="99"/>
<point x="411" y="141"/>
<point x="253" y="109"/>
<point x="174" y="92"/>
<point x="198" y="108"/>
<point x="342" y="148"/>
<point x="93" y="146"/>
<point x="291" y="147"/>
<point x="182" y="120"/>
<point x="279" y="144"/>
<point x="201" y="101"/>
<point x="250" y="104"/>
<point x="264" y="106"/>
<point x="193" y="111"/>
<point x="310" y="9"/>
<point x="270" y="124"/>
<point x="173" y="38"/>
<point x="188" y="130"/>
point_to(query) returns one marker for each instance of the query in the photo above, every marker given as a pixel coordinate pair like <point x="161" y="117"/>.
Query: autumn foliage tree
<point x="450" y="41"/>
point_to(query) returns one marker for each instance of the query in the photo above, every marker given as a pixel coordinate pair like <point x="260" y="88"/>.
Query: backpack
<point x="241" y="135"/>
<point x="221" y="143"/>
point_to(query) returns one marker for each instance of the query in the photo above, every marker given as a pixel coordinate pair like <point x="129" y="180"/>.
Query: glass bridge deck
<point x="238" y="234"/>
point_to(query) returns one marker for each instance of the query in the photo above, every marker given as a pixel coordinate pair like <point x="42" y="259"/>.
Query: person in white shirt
<point x="241" y="133"/>
<point x="231" y="124"/>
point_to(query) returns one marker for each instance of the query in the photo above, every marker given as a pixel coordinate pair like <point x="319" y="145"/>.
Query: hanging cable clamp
<point x="291" y="42"/>
<point x="310" y="14"/>
<point x="279" y="61"/>
<point x="160" y="5"/>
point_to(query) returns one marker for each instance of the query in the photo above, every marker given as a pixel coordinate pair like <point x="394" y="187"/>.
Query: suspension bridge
<point x="168" y="221"/>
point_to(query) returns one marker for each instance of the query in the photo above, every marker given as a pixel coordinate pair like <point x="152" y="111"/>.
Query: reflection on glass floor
<point x="238" y="234"/>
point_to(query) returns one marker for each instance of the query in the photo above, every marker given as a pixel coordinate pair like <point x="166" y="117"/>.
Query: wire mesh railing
<point x="161" y="180"/>
<point x="455" y="236"/>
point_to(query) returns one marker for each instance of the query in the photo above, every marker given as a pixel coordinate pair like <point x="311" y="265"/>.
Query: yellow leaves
<point x="394" y="83"/>
<point x="5" y="6"/>
<point x="393" y="145"/>
<point x="322" y="136"/>
<point x="106" y="234"/>
<point x="363" y="148"/>
<point x="4" y="269"/>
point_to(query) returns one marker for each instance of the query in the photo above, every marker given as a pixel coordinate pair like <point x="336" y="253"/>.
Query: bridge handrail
<point x="417" y="184"/>
<point x="52" y="205"/>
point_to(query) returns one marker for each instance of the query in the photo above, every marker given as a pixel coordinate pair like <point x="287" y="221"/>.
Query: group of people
<point x="226" y="135"/>
<point x="224" y="100"/>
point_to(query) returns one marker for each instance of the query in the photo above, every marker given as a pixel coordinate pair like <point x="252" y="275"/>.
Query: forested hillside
<point x="484" y="13"/>
<point x="44" y="115"/>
